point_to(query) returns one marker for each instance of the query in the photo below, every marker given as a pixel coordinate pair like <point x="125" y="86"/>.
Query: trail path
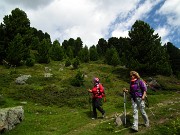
<point x="153" y="116"/>
<point x="91" y="125"/>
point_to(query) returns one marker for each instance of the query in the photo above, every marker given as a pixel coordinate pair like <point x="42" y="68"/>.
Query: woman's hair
<point x="135" y="74"/>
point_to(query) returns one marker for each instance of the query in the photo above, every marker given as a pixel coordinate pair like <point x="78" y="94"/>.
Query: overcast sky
<point x="94" y="19"/>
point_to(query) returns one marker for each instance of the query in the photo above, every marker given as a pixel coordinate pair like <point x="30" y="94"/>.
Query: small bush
<point x="13" y="71"/>
<point x="30" y="62"/>
<point x="67" y="62"/>
<point x="76" y="63"/>
<point x="78" y="80"/>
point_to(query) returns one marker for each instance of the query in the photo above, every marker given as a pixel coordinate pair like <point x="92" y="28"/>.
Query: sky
<point x="94" y="19"/>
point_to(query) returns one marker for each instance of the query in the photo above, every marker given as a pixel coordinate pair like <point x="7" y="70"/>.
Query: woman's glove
<point x="125" y="90"/>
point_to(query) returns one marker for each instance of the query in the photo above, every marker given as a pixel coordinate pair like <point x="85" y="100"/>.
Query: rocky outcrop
<point x="153" y="84"/>
<point x="10" y="117"/>
<point x="22" y="79"/>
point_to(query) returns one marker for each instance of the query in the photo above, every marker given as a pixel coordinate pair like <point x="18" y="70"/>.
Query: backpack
<point x="146" y="99"/>
<point x="101" y="93"/>
<point x="139" y="90"/>
<point x="145" y="83"/>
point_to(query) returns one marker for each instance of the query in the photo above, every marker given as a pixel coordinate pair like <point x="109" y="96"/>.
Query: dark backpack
<point x="103" y="93"/>
<point x="103" y="89"/>
<point x="145" y="83"/>
<point x="138" y="90"/>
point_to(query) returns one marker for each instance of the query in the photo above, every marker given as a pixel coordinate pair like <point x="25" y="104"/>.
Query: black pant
<point x="96" y="104"/>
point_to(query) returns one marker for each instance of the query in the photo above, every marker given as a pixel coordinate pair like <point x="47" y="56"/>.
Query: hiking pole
<point x="147" y="105"/>
<point x="90" y="104"/>
<point x="125" y="108"/>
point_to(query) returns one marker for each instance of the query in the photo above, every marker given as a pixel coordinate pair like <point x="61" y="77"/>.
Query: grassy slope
<point x="54" y="107"/>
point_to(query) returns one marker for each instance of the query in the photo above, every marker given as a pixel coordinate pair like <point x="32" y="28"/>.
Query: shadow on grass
<point x="89" y="114"/>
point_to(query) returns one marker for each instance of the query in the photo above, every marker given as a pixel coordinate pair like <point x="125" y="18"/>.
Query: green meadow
<point x="53" y="106"/>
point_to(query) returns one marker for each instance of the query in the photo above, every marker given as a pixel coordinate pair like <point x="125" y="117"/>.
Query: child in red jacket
<point x="97" y="95"/>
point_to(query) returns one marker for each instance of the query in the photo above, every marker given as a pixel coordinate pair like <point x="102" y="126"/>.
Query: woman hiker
<point x="138" y="92"/>
<point x="97" y="95"/>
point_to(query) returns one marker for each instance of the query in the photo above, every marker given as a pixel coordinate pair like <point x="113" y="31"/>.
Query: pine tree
<point x="56" y="51"/>
<point x="43" y="52"/>
<point x="93" y="53"/>
<point x="174" y="54"/>
<point x="102" y="47"/>
<point x="35" y="43"/>
<point x="69" y="52"/>
<point x="84" y="55"/>
<point x="13" y="24"/>
<point x="16" y="50"/>
<point x="114" y="41"/>
<point x="2" y="43"/>
<point x="115" y="59"/>
<point x="78" y="46"/>
<point x="146" y="50"/>
<point x="112" y="57"/>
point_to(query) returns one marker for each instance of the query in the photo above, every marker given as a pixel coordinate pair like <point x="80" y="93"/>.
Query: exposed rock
<point x="118" y="119"/>
<point x="24" y="102"/>
<point x="47" y="69"/>
<point x="47" y="75"/>
<point x="153" y="84"/>
<point x="61" y="69"/>
<point x="22" y="79"/>
<point x="10" y="117"/>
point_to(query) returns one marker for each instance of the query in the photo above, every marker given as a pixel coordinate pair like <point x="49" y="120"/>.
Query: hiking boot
<point x="103" y="115"/>
<point x="146" y="124"/>
<point x="93" y="118"/>
<point x="134" y="128"/>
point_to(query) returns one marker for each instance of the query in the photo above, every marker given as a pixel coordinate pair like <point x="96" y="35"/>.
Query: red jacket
<point x="97" y="91"/>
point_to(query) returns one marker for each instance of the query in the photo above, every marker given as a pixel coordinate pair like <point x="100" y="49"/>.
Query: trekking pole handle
<point x="125" y="90"/>
<point x="89" y="90"/>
